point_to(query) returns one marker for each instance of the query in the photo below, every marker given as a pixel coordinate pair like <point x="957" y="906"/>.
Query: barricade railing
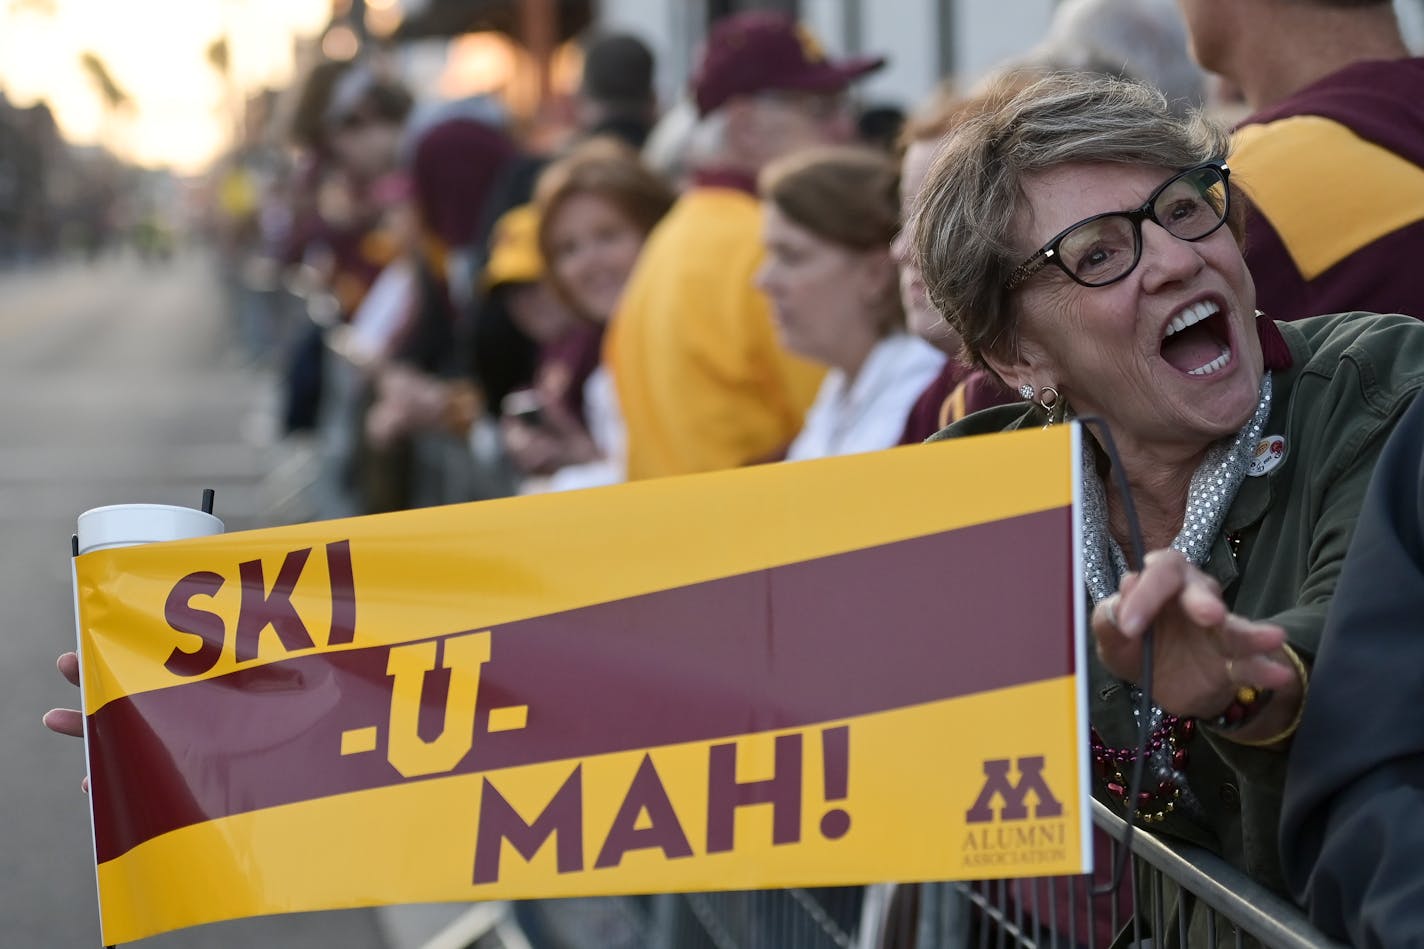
<point x="421" y="469"/>
<point x="343" y="402"/>
<point x="1222" y="907"/>
<point x="823" y="918"/>
<point x="1219" y="905"/>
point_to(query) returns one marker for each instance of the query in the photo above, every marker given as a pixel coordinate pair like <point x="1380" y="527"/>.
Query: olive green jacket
<point x="1352" y="376"/>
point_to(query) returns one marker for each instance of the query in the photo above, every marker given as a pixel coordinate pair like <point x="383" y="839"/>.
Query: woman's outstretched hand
<point x="1203" y="652"/>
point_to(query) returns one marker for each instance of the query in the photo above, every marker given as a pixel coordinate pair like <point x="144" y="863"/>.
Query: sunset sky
<point x="156" y="52"/>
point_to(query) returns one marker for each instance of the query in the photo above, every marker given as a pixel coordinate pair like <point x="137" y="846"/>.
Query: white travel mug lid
<point x="127" y="525"/>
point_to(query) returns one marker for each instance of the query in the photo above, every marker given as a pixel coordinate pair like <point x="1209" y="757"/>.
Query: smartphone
<point x="523" y="405"/>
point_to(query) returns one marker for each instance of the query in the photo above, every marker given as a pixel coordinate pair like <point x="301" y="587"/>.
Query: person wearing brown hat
<point x="702" y="379"/>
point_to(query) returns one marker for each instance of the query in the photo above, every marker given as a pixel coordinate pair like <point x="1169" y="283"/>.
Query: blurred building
<point x="55" y="197"/>
<point x="30" y="146"/>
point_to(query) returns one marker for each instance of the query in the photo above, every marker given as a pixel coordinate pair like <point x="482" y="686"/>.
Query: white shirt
<point x="870" y="413"/>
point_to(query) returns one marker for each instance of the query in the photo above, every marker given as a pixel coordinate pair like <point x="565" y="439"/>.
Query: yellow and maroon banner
<point x="843" y="671"/>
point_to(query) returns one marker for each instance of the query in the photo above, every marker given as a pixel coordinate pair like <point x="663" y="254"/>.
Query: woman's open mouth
<point x="1198" y="341"/>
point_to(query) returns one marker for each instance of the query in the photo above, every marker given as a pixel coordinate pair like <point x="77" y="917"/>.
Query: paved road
<point x="118" y="383"/>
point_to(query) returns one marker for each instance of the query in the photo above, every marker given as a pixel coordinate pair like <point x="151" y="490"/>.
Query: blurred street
<point x="119" y="382"/>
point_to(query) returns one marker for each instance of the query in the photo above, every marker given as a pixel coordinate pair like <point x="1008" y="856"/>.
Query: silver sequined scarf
<point x="1209" y="496"/>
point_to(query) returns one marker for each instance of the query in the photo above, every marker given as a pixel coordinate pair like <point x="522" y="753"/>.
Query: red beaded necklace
<point x="1153" y="805"/>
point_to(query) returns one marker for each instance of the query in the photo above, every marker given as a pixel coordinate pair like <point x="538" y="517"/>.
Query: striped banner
<point x="832" y="672"/>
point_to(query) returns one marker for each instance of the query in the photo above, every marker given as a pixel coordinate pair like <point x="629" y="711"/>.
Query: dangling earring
<point x="1026" y="392"/>
<point x="1050" y="401"/>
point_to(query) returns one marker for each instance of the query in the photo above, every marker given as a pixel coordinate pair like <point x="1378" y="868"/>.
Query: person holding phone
<point x="595" y="208"/>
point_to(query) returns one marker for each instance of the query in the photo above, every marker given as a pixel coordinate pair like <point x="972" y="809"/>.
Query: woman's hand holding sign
<point x="68" y="721"/>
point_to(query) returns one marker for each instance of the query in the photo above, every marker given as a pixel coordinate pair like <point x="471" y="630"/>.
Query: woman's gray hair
<point x="963" y="228"/>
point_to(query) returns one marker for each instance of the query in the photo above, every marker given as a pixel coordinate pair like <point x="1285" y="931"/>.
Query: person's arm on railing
<point x="1352" y="835"/>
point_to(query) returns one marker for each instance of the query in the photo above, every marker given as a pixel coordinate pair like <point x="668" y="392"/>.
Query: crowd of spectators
<point x="725" y="283"/>
<point x="484" y="313"/>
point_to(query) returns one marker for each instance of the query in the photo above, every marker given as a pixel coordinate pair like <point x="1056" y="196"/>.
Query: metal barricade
<point x="825" y="918"/>
<point x="822" y="918"/>
<point x="419" y="469"/>
<point x="1221" y="906"/>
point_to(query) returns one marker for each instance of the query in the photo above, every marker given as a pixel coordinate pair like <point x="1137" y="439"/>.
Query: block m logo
<point x="997" y="784"/>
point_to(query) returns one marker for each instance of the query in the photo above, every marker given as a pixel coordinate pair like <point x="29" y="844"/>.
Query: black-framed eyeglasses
<point x="1104" y="248"/>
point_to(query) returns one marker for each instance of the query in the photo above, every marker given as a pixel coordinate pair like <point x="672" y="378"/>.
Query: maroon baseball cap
<point x="760" y="51"/>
